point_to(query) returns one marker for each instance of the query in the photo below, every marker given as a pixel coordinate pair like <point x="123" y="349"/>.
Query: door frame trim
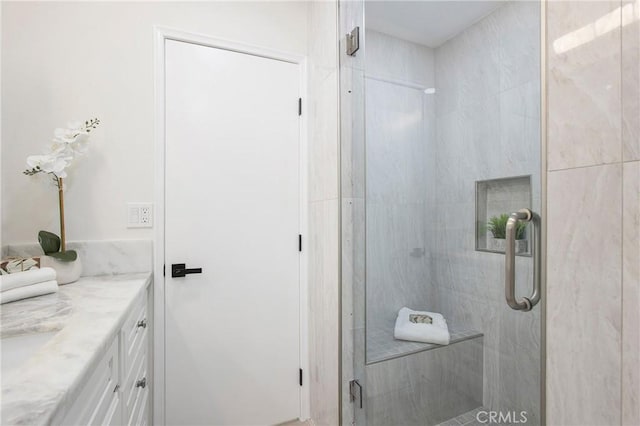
<point x="161" y="35"/>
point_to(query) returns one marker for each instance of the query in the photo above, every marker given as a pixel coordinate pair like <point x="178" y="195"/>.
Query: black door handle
<point x="179" y="270"/>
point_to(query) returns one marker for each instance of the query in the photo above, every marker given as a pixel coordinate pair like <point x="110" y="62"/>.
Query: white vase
<point x="66" y="272"/>
<point x="499" y="245"/>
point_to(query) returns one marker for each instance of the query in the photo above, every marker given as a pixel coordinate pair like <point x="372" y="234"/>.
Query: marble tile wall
<point x="487" y="126"/>
<point x="425" y="388"/>
<point x="593" y="213"/>
<point x="399" y="119"/>
<point x="352" y="185"/>
<point x="631" y="293"/>
<point x="322" y="243"/>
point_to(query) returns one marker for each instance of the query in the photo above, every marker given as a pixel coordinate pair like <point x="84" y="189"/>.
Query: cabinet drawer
<point x="133" y="333"/>
<point x="139" y="415"/>
<point x="133" y="390"/>
<point x="99" y="397"/>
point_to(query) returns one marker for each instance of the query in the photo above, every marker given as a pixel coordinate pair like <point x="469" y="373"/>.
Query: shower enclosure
<point x="442" y="210"/>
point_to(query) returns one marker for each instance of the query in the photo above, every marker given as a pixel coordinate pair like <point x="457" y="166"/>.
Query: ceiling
<point x="429" y="23"/>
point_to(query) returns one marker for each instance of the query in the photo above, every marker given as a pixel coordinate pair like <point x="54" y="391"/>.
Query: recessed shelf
<point x="495" y="197"/>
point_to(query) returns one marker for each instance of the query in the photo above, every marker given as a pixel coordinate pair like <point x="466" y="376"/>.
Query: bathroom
<point x="337" y="161"/>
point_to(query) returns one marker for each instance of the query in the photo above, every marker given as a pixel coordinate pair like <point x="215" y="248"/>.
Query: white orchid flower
<point x="81" y="144"/>
<point x="66" y="145"/>
<point x="64" y="135"/>
<point x="50" y="163"/>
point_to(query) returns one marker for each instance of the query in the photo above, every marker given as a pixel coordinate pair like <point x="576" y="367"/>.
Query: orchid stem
<point x="61" y="201"/>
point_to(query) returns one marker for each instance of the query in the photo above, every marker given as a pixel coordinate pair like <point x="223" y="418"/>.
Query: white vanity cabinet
<point x="135" y="366"/>
<point x="117" y="391"/>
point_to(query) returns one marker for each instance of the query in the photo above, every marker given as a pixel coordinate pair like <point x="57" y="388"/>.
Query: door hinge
<point x="163" y="274"/>
<point x="299" y="106"/>
<point x="299" y="242"/>
<point x="301" y="377"/>
<point x="353" y="41"/>
<point x="352" y="391"/>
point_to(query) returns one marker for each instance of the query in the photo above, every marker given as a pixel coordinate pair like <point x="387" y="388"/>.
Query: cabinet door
<point x="99" y="398"/>
<point x="114" y="414"/>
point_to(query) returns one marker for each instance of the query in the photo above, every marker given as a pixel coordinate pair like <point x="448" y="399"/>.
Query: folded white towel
<point x="436" y="332"/>
<point x="30" y="277"/>
<point x="27" y="291"/>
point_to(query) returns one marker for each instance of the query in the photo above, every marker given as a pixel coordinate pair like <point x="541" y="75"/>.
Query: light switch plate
<point x="139" y="215"/>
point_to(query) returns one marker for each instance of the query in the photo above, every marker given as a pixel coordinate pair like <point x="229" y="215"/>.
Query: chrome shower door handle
<point x="527" y="303"/>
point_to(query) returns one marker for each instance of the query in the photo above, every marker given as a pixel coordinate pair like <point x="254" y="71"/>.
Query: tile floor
<point x="469" y="419"/>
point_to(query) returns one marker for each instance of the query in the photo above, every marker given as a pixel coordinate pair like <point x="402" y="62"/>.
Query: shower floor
<point x="381" y="345"/>
<point x="467" y="419"/>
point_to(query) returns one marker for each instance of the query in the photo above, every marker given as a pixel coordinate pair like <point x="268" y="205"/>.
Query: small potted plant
<point x="67" y="144"/>
<point x="497" y="225"/>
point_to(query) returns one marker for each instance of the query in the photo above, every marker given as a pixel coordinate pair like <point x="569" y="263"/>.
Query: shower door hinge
<point x="353" y="41"/>
<point x="353" y="392"/>
<point x="300" y="243"/>
<point x="299" y="106"/>
<point x="300" y="377"/>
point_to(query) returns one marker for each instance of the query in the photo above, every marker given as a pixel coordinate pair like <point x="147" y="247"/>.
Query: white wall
<point x="64" y="61"/>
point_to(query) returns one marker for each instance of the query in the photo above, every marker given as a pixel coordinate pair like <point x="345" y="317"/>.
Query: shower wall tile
<point x="631" y="80"/>
<point x="324" y="311"/>
<point x="480" y="54"/>
<point x="322" y="241"/>
<point x="352" y="133"/>
<point x="519" y="46"/>
<point x="353" y="262"/>
<point x="323" y="132"/>
<point x="323" y="25"/>
<point x="399" y="60"/>
<point x="488" y="126"/>
<point x="447" y="75"/>
<point x="584" y="83"/>
<point x="425" y="388"/>
<point x="584" y="296"/>
<point x="397" y="266"/>
<point x="631" y="294"/>
<point x="395" y="143"/>
<point x="351" y="16"/>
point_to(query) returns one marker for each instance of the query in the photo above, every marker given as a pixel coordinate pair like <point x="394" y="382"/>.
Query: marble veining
<point x="488" y="128"/>
<point x="36" y="315"/>
<point x="584" y="277"/>
<point x="88" y="315"/>
<point x="584" y="85"/>
<point x="631" y="294"/>
<point x="106" y="257"/>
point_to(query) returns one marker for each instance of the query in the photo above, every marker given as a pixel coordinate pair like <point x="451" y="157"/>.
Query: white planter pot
<point x="499" y="245"/>
<point x="66" y="272"/>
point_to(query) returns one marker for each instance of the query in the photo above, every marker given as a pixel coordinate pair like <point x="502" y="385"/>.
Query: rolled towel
<point x="436" y="332"/>
<point x="30" y="277"/>
<point x="27" y="291"/>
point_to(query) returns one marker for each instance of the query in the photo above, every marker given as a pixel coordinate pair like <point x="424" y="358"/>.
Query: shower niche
<point x="496" y="199"/>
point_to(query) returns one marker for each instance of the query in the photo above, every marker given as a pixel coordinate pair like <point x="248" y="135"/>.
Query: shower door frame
<point x="347" y="408"/>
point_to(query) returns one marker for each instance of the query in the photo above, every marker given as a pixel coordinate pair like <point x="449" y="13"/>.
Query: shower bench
<point x="382" y="346"/>
<point x="412" y="383"/>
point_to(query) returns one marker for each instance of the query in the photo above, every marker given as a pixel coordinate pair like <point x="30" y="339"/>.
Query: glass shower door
<point x="440" y="148"/>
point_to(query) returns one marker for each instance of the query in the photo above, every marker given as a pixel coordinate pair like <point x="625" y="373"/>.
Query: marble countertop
<point x="85" y="316"/>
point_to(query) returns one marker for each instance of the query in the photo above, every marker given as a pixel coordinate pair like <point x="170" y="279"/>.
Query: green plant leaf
<point x="65" y="256"/>
<point x="498" y="227"/>
<point x="49" y="242"/>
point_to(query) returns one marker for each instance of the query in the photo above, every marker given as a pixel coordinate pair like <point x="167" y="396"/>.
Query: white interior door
<point x="232" y="208"/>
